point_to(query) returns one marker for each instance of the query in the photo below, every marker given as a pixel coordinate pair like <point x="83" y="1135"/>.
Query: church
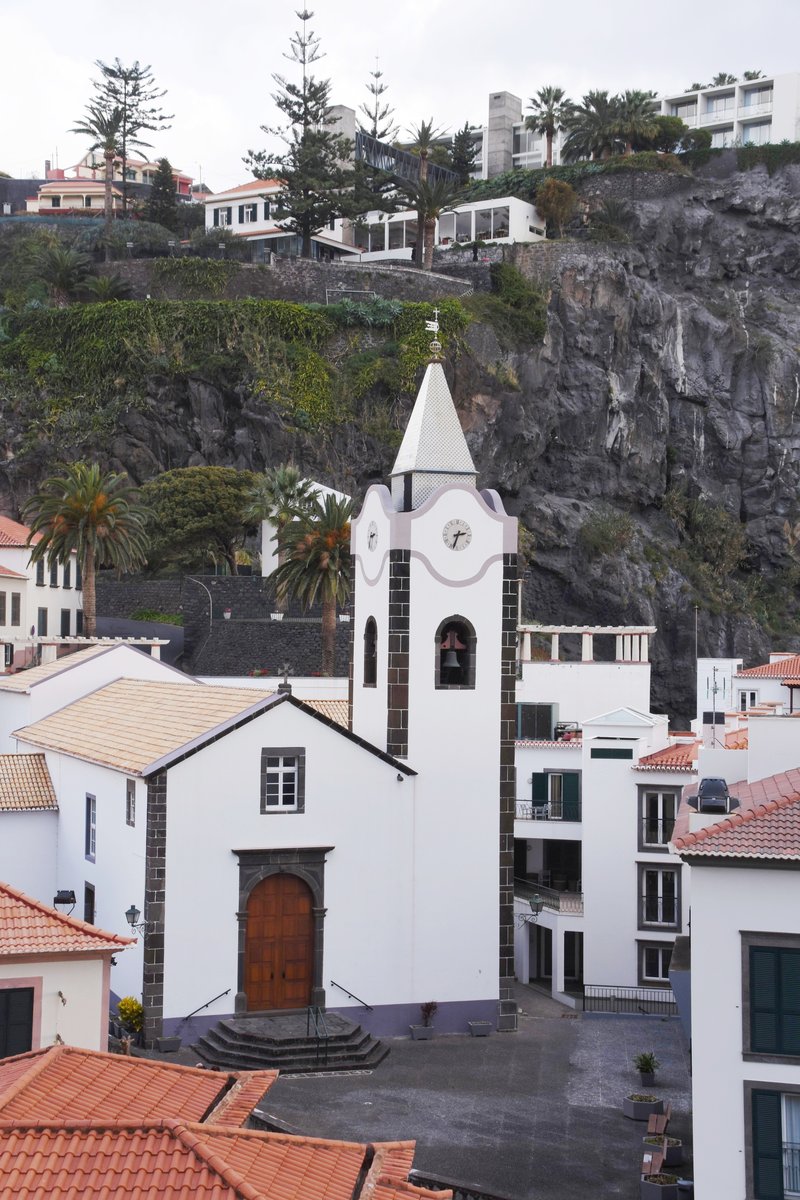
<point x="279" y="853"/>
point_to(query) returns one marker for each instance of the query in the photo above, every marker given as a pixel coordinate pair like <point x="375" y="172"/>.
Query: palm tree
<point x="636" y="118"/>
<point x="317" y="564"/>
<point x="430" y="201"/>
<point x="105" y="128"/>
<point x="93" y="515"/>
<point x="550" y="111"/>
<point x="279" y="496"/>
<point x="423" y="139"/>
<point x="100" y="289"/>
<point x="593" y="128"/>
<point x="63" y="271"/>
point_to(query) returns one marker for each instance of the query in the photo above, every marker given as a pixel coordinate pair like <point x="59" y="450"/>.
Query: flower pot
<point x="276" y="616"/>
<point x="227" y="614"/>
<point x="421" y="1033"/>
<point x="651" y="1189"/>
<point x="647" y="1078"/>
<point x="641" y="1109"/>
<point x="674" y="1154"/>
<point x="479" y="1028"/>
<point x="168" y="1045"/>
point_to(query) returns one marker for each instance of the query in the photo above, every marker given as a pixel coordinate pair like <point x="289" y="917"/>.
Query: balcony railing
<point x="552" y="810"/>
<point x="791" y="1168"/>
<point x="754" y="110"/>
<point x="613" y="998"/>
<point x="557" y="901"/>
<point x="721" y="116"/>
<point x="658" y="910"/>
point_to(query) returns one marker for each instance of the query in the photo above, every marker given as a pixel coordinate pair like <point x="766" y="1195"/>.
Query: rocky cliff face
<point x="657" y="423"/>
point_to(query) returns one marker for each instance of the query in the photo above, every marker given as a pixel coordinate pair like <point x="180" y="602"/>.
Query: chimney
<point x="47" y="168"/>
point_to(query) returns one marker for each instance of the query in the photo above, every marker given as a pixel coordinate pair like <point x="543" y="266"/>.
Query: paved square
<point x="534" y="1115"/>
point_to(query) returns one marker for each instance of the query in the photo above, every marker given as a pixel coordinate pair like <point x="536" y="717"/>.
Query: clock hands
<point x="456" y="536"/>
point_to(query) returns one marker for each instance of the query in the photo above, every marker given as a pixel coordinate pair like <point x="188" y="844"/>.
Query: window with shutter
<point x="16" y="1021"/>
<point x="774" y="1000"/>
<point x="767" y="1145"/>
<point x="535" y="722"/>
<point x="571" y="788"/>
<point x="216" y="218"/>
<point x="539" y="790"/>
<point x="241" y="214"/>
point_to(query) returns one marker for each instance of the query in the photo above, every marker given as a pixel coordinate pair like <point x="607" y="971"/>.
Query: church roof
<point x="434" y="440"/>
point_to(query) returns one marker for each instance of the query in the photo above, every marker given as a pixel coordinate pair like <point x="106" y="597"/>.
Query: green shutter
<point x="764" y="999"/>
<point x="571" y="791"/>
<point x="539" y="789"/>
<point x="790" y="1001"/>
<point x="216" y="217"/>
<point x="608" y="753"/>
<point x="241" y="214"/>
<point x="767" y="1146"/>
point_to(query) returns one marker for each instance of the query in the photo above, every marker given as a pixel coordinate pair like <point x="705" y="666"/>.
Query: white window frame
<point x="130" y="802"/>
<point x="659" y="948"/>
<point x="662" y="794"/>
<point x="282" y="779"/>
<point x="645" y="922"/>
<point x="249" y="213"/>
<point x="91" y="827"/>
<point x="748" y="698"/>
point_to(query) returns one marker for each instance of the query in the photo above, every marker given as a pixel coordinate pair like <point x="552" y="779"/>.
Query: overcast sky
<point x="438" y="59"/>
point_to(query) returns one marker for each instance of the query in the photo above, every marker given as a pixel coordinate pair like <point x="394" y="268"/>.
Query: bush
<point x="131" y="1013"/>
<point x="160" y="618"/>
<point x="772" y="156"/>
<point x="606" y="533"/>
<point x="556" y="201"/>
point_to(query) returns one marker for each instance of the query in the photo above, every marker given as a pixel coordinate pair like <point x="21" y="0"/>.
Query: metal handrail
<point x="315" y="1016"/>
<point x="352" y="996"/>
<point x="552" y="898"/>
<point x="183" y="1020"/>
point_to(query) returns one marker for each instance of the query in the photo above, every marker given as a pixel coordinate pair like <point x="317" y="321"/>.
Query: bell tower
<point x="433" y="681"/>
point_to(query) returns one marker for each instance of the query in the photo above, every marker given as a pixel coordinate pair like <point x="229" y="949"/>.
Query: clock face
<point x="457" y="534"/>
<point x="372" y="535"/>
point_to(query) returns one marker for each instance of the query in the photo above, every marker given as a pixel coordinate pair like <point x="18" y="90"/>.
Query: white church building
<point x="279" y="858"/>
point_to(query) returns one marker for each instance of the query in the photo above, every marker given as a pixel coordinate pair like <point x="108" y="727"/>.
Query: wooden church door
<point x="279" y="952"/>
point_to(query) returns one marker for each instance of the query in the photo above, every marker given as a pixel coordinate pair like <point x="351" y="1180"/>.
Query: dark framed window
<point x="659" y="897"/>
<point x="78" y="576"/>
<point x="88" y="903"/>
<point x="78" y="623"/>
<point x="774" y="995"/>
<point x="455" y="652"/>
<point x="41" y="622"/>
<point x="16" y="1021"/>
<point x="67" y="583"/>
<point x="16" y="605"/>
<point x="772" y="1139"/>
<point x="2" y="608"/>
<point x="657" y="809"/>
<point x="654" y="960"/>
<point x="556" y="795"/>
<point x="54" y="574"/>
<point x="65" y="619"/>
<point x="535" y="722"/>
<point x="130" y="801"/>
<point x="283" y="779"/>
<point x="40" y="573"/>
<point x="90" y="838"/>
<point x="371" y="653"/>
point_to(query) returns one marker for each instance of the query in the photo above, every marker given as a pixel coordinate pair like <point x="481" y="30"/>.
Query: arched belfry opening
<point x="371" y="653"/>
<point x="455" y="653"/>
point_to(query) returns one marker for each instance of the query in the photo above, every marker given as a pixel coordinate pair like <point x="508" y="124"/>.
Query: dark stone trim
<point x="650" y="847"/>
<point x="353" y="737"/>
<point x="398" y="651"/>
<point x="507" y="1008"/>
<point x="643" y="944"/>
<point x="307" y="864"/>
<point x="298" y="752"/>
<point x="472" y="651"/>
<point x="154" y="894"/>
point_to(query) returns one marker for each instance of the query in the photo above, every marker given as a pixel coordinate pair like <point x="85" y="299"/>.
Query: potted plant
<point x="424" y="1032"/>
<point x="639" y="1106"/>
<point x="131" y="1018"/>
<point x="659" y="1187"/>
<point x="673" y="1149"/>
<point x="226" y="612"/>
<point x="276" y="616"/>
<point x="479" y="1028"/>
<point x="646" y="1064"/>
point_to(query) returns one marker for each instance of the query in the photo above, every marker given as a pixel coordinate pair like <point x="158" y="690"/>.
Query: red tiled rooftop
<point x="29" y="927"/>
<point x="7" y="573"/>
<point x="64" y="1082"/>
<point x="12" y="533"/>
<point x="766" y="825"/>
<point x="782" y="668"/>
<point x="679" y="757"/>
<point x="172" y="1160"/>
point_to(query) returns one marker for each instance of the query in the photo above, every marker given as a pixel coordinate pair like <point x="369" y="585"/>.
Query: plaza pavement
<point x="534" y="1115"/>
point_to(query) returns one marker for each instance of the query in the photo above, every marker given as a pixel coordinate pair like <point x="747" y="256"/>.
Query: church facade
<point x="281" y="859"/>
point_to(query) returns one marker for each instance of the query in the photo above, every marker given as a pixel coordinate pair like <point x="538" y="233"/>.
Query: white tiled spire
<point x="434" y="450"/>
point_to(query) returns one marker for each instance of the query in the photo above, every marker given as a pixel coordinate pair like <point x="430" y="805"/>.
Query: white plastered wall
<point x="70" y="998"/>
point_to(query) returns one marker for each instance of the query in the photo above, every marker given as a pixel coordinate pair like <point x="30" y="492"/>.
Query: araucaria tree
<point x="104" y="127"/>
<point x="162" y="206"/>
<point x="550" y="112"/>
<point x="463" y="154"/>
<point x="317" y="565"/>
<point x="380" y="115"/>
<point x="133" y="92"/>
<point x="316" y="180"/>
<point x="93" y="515"/>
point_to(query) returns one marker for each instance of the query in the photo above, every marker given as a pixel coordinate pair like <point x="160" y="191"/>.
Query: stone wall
<point x="302" y="281"/>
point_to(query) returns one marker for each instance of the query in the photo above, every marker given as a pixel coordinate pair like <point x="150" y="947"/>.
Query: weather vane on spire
<point x="433" y="327"/>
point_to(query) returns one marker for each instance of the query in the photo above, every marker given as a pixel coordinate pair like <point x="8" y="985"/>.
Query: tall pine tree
<point x="316" y="180"/>
<point x="162" y="205"/>
<point x="380" y="116"/>
<point x="463" y="154"/>
<point x="132" y="92"/>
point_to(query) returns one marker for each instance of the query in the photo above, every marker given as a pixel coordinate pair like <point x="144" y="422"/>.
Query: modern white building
<point x="394" y="235"/>
<point x="749" y="112"/>
<point x="36" y="600"/>
<point x="599" y="778"/>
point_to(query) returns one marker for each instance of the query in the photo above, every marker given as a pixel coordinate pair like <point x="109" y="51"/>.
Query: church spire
<point x="434" y="450"/>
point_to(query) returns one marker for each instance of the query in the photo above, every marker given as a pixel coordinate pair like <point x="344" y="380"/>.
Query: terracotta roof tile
<point x="25" y="784"/>
<point x="561" y="744"/>
<point x="681" y="756"/>
<point x="253" y="185"/>
<point x="791" y="682"/>
<point x="22" y="681"/>
<point x="334" y="710"/>
<point x="131" y="724"/>
<point x="64" y="1082"/>
<point x="29" y="927"/>
<point x="737" y="739"/>
<point x="13" y="533"/>
<point x="766" y="825"/>
<point x="782" y="668"/>
<point x="7" y="573"/>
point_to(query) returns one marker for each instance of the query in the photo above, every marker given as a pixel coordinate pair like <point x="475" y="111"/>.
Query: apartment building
<point x="750" y="112"/>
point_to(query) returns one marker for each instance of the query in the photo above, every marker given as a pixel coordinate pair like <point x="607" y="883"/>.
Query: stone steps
<point x="280" y="1043"/>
